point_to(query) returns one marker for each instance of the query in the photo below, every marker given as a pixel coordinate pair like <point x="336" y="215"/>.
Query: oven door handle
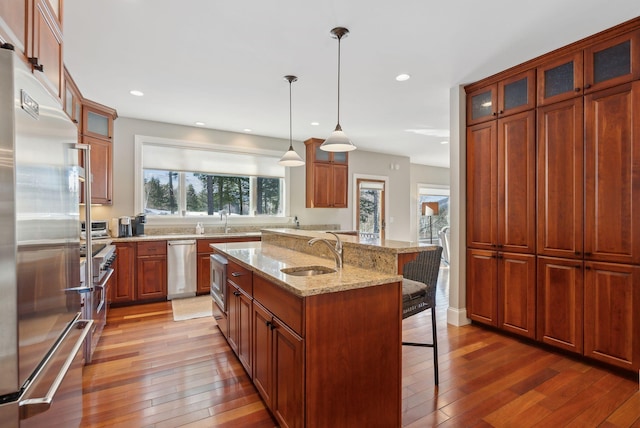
<point x="33" y="406"/>
<point x="105" y="278"/>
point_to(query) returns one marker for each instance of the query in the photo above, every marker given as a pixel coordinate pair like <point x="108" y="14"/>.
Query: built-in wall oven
<point x="218" y="280"/>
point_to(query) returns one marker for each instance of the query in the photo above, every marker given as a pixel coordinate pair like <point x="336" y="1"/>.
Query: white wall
<point x="402" y="181"/>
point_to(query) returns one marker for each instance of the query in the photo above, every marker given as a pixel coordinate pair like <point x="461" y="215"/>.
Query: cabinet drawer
<point x="203" y="245"/>
<point x="152" y="248"/>
<point x="240" y="276"/>
<point x="282" y="304"/>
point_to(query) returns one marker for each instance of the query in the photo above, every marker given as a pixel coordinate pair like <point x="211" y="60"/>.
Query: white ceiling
<point x="223" y="62"/>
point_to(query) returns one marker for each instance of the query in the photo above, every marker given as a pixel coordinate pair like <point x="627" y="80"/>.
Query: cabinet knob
<point x="236" y="293"/>
<point x="494" y="114"/>
<point x="501" y="111"/>
<point x="577" y="89"/>
<point x="587" y="86"/>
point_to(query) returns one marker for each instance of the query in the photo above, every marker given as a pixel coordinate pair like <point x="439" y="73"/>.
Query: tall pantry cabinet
<point x="586" y="249"/>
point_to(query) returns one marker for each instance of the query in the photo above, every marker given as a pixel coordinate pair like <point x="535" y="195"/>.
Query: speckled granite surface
<point x="375" y="254"/>
<point x="169" y="237"/>
<point x="267" y="260"/>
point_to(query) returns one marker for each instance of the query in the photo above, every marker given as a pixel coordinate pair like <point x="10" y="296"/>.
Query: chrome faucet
<point x="337" y="251"/>
<point x="224" y="213"/>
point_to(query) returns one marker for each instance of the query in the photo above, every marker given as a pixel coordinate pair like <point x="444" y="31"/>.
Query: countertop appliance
<point x="121" y="227"/>
<point x="40" y="313"/>
<point x="138" y="224"/>
<point x="99" y="229"/>
<point x="181" y="271"/>
<point x="218" y="280"/>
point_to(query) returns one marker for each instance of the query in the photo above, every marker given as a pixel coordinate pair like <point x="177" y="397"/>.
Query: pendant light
<point x="338" y="141"/>
<point x="290" y="158"/>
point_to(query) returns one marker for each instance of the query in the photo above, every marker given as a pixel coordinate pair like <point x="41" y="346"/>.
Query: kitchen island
<point x="322" y="350"/>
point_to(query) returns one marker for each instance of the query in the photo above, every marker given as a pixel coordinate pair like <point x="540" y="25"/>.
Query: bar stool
<point x="419" y="294"/>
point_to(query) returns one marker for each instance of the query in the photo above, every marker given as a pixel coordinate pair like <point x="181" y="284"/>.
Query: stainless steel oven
<point x="218" y="280"/>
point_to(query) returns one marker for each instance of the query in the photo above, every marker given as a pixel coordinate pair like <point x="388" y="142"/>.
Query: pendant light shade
<point x="290" y="158"/>
<point x="338" y="140"/>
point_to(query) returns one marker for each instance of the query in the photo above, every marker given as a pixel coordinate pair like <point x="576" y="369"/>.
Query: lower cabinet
<point x="151" y="270"/>
<point x="278" y="356"/>
<point x="611" y="326"/>
<point x="501" y="290"/>
<point x="240" y="313"/>
<point x="123" y="287"/>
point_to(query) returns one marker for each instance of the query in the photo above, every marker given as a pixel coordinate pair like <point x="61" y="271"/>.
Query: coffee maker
<point x="122" y="227"/>
<point x="138" y="224"/>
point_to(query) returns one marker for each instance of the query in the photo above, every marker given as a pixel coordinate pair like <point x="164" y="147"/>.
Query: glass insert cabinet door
<point x="612" y="62"/>
<point x="517" y="93"/>
<point x="560" y="79"/>
<point x="97" y="123"/>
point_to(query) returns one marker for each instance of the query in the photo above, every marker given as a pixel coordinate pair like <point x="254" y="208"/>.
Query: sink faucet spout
<point x="336" y="251"/>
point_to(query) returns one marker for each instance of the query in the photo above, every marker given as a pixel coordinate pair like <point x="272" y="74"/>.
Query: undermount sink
<point x="307" y="270"/>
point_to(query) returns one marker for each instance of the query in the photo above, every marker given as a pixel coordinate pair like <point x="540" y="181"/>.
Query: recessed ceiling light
<point x="247" y="130"/>
<point x="200" y="123"/>
<point x="402" y="77"/>
<point x="444" y="142"/>
<point x="315" y="123"/>
<point x="136" y="92"/>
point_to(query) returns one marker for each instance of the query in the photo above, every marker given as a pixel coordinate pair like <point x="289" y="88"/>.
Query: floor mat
<point x="192" y="307"/>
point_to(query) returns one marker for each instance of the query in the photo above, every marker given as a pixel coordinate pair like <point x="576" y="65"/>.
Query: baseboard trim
<point x="457" y="317"/>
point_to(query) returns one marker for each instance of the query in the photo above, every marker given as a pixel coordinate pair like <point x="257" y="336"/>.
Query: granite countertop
<point x="175" y="236"/>
<point x="267" y="260"/>
<point x="348" y="239"/>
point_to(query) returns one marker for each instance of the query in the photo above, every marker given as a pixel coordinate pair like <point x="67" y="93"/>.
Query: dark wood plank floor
<point x="150" y="371"/>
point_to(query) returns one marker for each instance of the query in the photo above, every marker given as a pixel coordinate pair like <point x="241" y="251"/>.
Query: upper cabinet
<point x="512" y="95"/>
<point x="327" y="176"/>
<point x="72" y="100"/>
<point x="97" y="120"/>
<point x="34" y="27"/>
<point x="598" y="66"/>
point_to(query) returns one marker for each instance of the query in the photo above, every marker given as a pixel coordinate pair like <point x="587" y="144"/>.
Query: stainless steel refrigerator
<point x="41" y="332"/>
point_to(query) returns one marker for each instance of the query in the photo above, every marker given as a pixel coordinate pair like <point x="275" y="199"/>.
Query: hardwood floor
<point x="150" y="371"/>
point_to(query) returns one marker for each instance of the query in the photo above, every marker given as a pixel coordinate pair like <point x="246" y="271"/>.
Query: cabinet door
<point x="612" y="151"/>
<point x="14" y="15"/>
<point x="482" y="286"/>
<point x="123" y="289"/>
<point x="482" y="188"/>
<point x="612" y="62"/>
<point x="101" y="170"/>
<point x="482" y="105"/>
<point x="560" y="179"/>
<point x="611" y="318"/>
<point x="560" y="79"/>
<point x="204" y="273"/>
<point x="46" y="48"/>
<point x="340" y="178"/>
<point x="517" y="293"/>
<point x="97" y="122"/>
<point x="323" y="185"/>
<point x="516" y="183"/>
<point x="245" y="329"/>
<point x="233" y="294"/>
<point x="72" y="100"/>
<point x="560" y="303"/>
<point x="151" y="277"/>
<point x="263" y="353"/>
<point x="517" y="93"/>
<point x="288" y="376"/>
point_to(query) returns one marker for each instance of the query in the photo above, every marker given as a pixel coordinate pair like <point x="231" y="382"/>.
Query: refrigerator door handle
<point x="33" y="406"/>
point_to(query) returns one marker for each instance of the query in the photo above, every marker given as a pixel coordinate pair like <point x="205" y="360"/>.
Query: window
<point x="193" y="179"/>
<point x="198" y="194"/>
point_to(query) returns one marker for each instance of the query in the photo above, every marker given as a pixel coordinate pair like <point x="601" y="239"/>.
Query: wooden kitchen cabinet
<point x="560" y="294"/>
<point x="279" y="367"/>
<point x="611" y="324"/>
<point x="482" y="286"/>
<point x="508" y="96"/>
<point x="327" y="175"/>
<point x="14" y="14"/>
<point x="44" y="51"/>
<point x="123" y="288"/>
<point x="151" y="270"/>
<point x="599" y="65"/>
<point x="612" y="185"/>
<point x="72" y="100"/>
<point x="97" y="120"/>
<point x="240" y="312"/>
<point x="501" y="184"/>
<point x="560" y="179"/>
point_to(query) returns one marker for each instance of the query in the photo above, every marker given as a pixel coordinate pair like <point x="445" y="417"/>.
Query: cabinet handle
<point x="236" y="274"/>
<point x="578" y="253"/>
<point x="587" y="86"/>
<point x="268" y="323"/>
<point x="494" y="114"/>
<point x="501" y="111"/>
<point x="236" y="293"/>
<point x="577" y="89"/>
<point x="272" y="326"/>
<point x="586" y="267"/>
<point x="34" y="61"/>
<point x="587" y="254"/>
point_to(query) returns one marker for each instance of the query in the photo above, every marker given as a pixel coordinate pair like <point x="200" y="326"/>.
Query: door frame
<point x="356" y="197"/>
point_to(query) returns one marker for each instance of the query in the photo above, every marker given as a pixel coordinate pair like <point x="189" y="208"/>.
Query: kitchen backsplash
<point x="190" y="229"/>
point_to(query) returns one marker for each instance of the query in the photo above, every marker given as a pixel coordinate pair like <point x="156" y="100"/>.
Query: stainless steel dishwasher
<point x="181" y="271"/>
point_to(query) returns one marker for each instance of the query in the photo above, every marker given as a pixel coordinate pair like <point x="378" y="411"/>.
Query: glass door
<point x="370" y="208"/>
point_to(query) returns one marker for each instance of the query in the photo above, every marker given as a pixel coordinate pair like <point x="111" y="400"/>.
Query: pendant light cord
<point x="290" y="119"/>
<point x="339" y="39"/>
